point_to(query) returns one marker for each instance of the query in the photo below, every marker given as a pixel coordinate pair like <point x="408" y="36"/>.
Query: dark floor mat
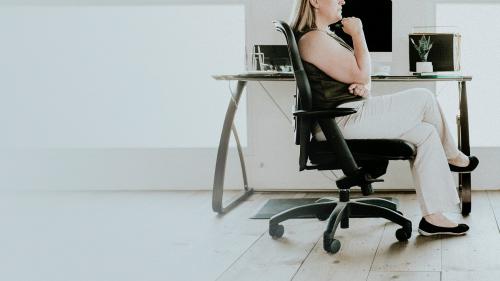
<point x="276" y="206"/>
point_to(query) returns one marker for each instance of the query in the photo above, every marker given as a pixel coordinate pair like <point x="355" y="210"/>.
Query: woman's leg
<point x="392" y="115"/>
<point x="436" y="191"/>
<point x="433" y="114"/>
<point x="415" y="116"/>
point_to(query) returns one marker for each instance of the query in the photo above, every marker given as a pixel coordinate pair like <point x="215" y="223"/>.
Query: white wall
<point x="269" y="131"/>
<point x="91" y="92"/>
<point x="271" y="155"/>
<point x="116" y="76"/>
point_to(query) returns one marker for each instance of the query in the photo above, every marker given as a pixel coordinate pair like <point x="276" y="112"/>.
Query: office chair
<point x="361" y="160"/>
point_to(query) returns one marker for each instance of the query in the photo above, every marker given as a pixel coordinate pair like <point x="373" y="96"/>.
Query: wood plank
<point x="176" y="236"/>
<point x="481" y="219"/>
<point x="92" y="235"/>
<point x="408" y="204"/>
<point x="417" y="254"/>
<point x="209" y="243"/>
<point x="277" y="259"/>
<point x="406" y="276"/>
<point x="358" y="246"/>
<point x="470" y="275"/>
<point x="480" y="248"/>
<point x="494" y="199"/>
<point x="494" y="196"/>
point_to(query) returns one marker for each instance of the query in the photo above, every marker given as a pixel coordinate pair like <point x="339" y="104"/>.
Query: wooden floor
<point x="175" y="236"/>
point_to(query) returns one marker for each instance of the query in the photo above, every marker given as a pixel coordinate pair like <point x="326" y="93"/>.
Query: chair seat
<point x="364" y="149"/>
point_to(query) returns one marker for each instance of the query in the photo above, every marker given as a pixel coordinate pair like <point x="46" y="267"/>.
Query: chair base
<point x="339" y="213"/>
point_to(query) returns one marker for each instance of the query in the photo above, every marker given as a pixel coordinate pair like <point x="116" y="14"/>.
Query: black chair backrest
<point x="303" y="99"/>
<point x="305" y="95"/>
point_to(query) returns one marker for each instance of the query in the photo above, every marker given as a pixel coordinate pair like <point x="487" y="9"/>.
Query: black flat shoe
<point x="473" y="162"/>
<point x="427" y="229"/>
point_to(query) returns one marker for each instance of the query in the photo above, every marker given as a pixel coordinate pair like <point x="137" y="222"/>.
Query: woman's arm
<point x="339" y="63"/>
<point x="360" y="90"/>
<point x="361" y="53"/>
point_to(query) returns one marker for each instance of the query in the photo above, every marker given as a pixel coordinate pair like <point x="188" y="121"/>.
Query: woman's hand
<point x="352" y="26"/>
<point x="359" y="90"/>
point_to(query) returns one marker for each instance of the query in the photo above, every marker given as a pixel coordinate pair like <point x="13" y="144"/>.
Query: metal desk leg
<point x="464" y="180"/>
<point x="220" y="165"/>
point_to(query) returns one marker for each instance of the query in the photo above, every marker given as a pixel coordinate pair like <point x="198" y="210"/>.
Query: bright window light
<point x="118" y="76"/>
<point x="478" y="23"/>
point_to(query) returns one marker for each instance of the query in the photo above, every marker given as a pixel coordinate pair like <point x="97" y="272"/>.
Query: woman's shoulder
<point x="313" y="43"/>
<point x="313" y="36"/>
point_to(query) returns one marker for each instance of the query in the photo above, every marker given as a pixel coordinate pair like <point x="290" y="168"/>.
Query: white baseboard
<point x="184" y="169"/>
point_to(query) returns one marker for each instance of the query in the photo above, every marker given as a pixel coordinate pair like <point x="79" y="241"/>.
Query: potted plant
<point x="423" y="48"/>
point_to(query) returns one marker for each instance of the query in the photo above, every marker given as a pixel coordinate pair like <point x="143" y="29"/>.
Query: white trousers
<point x="415" y="116"/>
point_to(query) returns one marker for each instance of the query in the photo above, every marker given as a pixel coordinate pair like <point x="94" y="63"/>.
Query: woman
<point x="340" y="74"/>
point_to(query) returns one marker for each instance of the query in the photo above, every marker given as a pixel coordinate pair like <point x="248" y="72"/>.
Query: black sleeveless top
<point x="326" y="91"/>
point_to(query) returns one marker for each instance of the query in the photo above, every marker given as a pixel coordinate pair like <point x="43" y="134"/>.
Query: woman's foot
<point x="463" y="163"/>
<point x="438" y="224"/>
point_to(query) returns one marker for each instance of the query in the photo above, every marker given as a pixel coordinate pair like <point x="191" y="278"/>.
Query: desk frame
<point x="464" y="179"/>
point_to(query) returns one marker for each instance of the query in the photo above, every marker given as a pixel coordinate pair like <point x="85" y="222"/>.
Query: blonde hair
<point x="303" y="17"/>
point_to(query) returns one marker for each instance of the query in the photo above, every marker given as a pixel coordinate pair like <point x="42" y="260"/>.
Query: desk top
<point x="288" y="76"/>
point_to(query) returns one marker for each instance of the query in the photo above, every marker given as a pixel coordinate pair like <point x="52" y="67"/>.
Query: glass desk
<point x="464" y="179"/>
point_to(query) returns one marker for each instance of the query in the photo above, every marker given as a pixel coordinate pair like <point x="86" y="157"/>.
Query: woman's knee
<point x="421" y="133"/>
<point x="424" y="97"/>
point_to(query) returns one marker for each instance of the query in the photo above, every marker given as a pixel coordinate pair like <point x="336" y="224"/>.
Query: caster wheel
<point x="331" y="245"/>
<point x="403" y="235"/>
<point x="334" y="246"/>
<point x="322" y="216"/>
<point x="276" y="231"/>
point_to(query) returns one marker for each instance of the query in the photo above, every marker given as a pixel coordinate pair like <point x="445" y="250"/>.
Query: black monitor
<point x="376" y="16"/>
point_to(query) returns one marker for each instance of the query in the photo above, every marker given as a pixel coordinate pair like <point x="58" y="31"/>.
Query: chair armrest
<point x="336" y="112"/>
